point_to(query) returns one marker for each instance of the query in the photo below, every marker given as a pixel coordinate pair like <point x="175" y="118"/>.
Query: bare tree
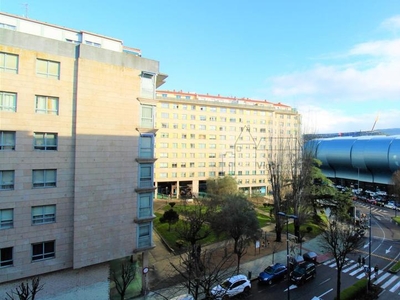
<point x="123" y="277"/>
<point x="340" y="239"/>
<point x="192" y="227"/>
<point x="200" y="275"/>
<point x="25" y="291"/>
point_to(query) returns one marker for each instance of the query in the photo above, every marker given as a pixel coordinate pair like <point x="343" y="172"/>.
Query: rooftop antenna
<point x="26" y="9"/>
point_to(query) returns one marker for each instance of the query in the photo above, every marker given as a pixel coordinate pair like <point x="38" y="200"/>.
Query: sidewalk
<point x="164" y="281"/>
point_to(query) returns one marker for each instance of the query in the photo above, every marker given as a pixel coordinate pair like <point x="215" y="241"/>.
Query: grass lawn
<point x="397" y="220"/>
<point x="263" y="216"/>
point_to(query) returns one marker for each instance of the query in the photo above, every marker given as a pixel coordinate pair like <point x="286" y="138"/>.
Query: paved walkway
<point x="163" y="278"/>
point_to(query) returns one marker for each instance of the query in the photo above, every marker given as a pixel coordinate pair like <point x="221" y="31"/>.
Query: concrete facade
<point x="91" y="96"/>
<point x="203" y="136"/>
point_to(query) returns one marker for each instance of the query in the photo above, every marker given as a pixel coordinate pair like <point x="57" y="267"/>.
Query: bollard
<point x="249" y="275"/>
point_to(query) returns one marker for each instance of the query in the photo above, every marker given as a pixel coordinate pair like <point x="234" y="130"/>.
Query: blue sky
<point x="337" y="62"/>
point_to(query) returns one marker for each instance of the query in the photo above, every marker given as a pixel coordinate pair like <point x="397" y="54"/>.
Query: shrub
<point x="395" y="268"/>
<point x="355" y="290"/>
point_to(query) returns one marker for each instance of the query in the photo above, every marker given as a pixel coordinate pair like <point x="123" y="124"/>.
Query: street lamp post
<point x="282" y="214"/>
<point x="369" y="248"/>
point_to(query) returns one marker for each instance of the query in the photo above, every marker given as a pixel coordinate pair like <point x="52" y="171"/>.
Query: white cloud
<point x="392" y="23"/>
<point x="333" y="82"/>
<point x="385" y="48"/>
<point x="346" y="95"/>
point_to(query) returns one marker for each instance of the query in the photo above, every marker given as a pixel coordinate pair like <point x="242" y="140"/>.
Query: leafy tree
<point x="237" y="218"/>
<point x="340" y="239"/>
<point x="219" y="187"/>
<point x="124" y="277"/>
<point x="171" y="217"/>
<point x="396" y="184"/>
<point x="26" y="291"/>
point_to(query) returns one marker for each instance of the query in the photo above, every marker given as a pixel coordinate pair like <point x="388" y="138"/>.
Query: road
<point x="385" y="251"/>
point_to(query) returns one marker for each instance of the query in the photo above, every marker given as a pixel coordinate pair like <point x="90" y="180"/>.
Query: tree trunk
<point x="338" y="283"/>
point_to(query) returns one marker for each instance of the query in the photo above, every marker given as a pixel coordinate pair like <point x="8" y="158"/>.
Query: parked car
<point x="273" y="273"/>
<point x="183" y="297"/>
<point x="232" y="286"/>
<point x="310" y="256"/>
<point x="303" y="272"/>
<point x="390" y="205"/>
<point x="294" y="261"/>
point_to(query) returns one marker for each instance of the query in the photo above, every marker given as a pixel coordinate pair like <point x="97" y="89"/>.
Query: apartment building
<point x="77" y="135"/>
<point x="207" y="136"/>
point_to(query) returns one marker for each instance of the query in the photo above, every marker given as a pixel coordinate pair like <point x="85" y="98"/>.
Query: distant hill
<point x="389" y="131"/>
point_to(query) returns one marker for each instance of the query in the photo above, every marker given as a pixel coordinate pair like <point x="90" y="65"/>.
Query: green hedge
<point x="356" y="289"/>
<point x="395" y="268"/>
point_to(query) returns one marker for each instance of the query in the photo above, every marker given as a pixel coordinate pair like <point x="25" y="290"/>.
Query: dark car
<point x="294" y="261"/>
<point x="303" y="272"/>
<point x="273" y="273"/>
<point x="310" y="256"/>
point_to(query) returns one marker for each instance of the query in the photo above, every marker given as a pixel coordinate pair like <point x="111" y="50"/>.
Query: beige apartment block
<point x="77" y="136"/>
<point x="208" y="136"/>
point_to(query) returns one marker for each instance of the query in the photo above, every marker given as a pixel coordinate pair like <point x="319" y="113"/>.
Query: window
<point x="6" y="257"/>
<point x="45" y="250"/>
<point x="8" y="101"/>
<point x="144" y="235"/>
<point x="45" y="141"/>
<point x="6" y="218"/>
<point x="174" y="165"/>
<point x="203" y="118"/>
<point x="46" y="105"/>
<point x="202" y="127"/>
<point x="175" y="106"/>
<point x="147" y="116"/>
<point x="7" y="140"/>
<point x="92" y="43"/>
<point x="165" y="115"/>
<point x="44" y="178"/>
<point x="145" y="205"/>
<point x="43" y="214"/>
<point x="146" y="146"/>
<point x="164" y="95"/>
<point x="8" y="63"/>
<point x="6" y="180"/>
<point x="146" y="175"/>
<point x="164" y="125"/>
<point x="202" y="174"/>
<point x="211" y="174"/>
<point x="165" y="105"/>
<point x="147" y="85"/>
<point x="48" y="69"/>
<point x="163" y="165"/>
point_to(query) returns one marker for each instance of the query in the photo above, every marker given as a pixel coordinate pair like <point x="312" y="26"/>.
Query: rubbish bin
<point x="249" y="275"/>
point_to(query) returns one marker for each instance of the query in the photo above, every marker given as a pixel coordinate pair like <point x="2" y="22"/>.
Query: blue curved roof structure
<point x="367" y="158"/>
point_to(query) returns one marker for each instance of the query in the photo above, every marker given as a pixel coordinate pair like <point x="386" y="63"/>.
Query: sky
<point x="336" y="62"/>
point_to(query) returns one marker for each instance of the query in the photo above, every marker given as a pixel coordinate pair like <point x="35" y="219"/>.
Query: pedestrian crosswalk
<point x="386" y="280"/>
